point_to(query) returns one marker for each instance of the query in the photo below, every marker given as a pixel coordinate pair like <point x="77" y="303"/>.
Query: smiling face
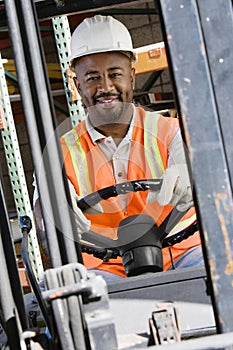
<point x="105" y="81"/>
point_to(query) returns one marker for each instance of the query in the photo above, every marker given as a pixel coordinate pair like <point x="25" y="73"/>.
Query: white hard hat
<point x="101" y="34"/>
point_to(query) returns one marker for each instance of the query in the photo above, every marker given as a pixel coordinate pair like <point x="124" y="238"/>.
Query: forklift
<point x="181" y="309"/>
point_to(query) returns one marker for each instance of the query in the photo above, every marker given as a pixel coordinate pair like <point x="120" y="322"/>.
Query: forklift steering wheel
<point x="122" y="188"/>
<point x="140" y="240"/>
<point x="135" y="186"/>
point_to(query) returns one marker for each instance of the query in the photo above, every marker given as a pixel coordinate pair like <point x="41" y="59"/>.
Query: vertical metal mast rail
<point x="40" y="119"/>
<point x="16" y="173"/>
<point x="11" y="295"/>
<point x="7" y="304"/>
<point x="200" y="43"/>
<point x="62" y="37"/>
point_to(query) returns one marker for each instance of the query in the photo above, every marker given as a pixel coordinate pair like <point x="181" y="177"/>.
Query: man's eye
<point x="114" y="75"/>
<point x="92" y="78"/>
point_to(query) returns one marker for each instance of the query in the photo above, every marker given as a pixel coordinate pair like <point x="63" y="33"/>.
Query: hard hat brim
<point x="132" y="55"/>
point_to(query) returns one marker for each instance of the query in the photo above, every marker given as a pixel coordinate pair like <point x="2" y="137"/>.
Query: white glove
<point x="175" y="190"/>
<point x="83" y="224"/>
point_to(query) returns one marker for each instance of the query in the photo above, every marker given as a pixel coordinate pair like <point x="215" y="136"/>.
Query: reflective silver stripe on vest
<point x="153" y="155"/>
<point x="79" y="162"/>
<point x="155" y="160"/>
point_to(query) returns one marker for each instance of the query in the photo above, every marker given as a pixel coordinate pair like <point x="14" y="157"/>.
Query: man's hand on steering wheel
<point x="176" y="188"/>
<point x="83" y="224"/>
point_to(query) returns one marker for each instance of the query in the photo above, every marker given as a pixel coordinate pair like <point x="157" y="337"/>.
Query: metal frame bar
<point x="74" y="6"/>
<point x="194" y="68"/>
<point x="151" y="80"/>
<point x="48" y="9"/>
<point x="16" y="173"/>
<point x="11" y="291"/>
<point x="62" y="37"/>
<point x="218" y="46"/>
<point x="7" y="305"/>
<point x="40" y="119"/>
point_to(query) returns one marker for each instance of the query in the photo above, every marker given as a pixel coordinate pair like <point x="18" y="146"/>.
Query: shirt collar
<point x="97" y="136"/>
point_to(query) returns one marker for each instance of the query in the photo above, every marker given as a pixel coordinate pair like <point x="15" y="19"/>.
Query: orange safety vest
<point x="89" y="171"/>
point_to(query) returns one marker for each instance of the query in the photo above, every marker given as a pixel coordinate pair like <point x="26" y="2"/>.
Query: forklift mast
<point x="198" y="42"/>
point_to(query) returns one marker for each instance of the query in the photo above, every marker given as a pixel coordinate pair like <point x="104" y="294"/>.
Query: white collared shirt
<point x="117" y="156"/>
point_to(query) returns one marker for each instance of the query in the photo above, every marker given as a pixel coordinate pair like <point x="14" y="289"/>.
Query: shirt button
<point x="120" y="174"/>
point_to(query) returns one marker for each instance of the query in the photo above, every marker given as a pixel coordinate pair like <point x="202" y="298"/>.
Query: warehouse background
<point x="145" y="29"/>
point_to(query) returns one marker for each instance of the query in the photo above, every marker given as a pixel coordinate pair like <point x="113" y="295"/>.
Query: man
<point x="119" y="142"/>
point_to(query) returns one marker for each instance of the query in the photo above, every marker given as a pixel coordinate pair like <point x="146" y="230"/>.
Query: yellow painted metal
<point x="151" y="58"/>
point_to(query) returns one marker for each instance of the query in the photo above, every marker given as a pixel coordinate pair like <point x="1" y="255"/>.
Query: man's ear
<point x="133" y="77"/>
<point x="72" y="84"/>
<point x="77" y="84"/>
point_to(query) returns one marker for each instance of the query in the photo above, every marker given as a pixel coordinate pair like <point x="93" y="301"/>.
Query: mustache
<point x="107" y="94"/>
